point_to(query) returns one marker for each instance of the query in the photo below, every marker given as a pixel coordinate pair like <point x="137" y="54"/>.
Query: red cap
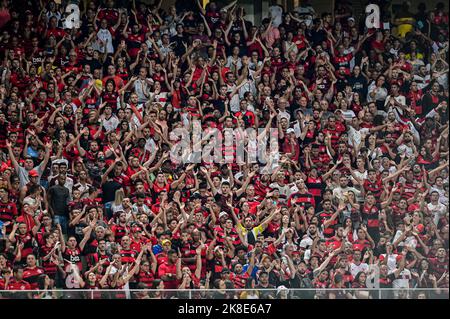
<point x="33" y="173"/>
<point x="136" y="229"/>
<point x="4" y="167"/>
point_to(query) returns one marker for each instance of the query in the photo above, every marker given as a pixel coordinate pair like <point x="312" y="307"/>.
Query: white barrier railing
<point x="288" y="293"/>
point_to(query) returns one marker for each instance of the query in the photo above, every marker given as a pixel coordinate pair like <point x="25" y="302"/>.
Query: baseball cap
<point x="137" y="228"/>
<point x="166" y="241"/>
<point x="63" y="161"/>
<point x="281" y="288"/>
<point x="4" y="167"/>
<point x="223" y="214"/>
<point x="29" y="201"/>
<point x="351" y="19"/>
<point x="196" y="195"/>
<point x="290" y="130"/>
<point x="33" y="173"/>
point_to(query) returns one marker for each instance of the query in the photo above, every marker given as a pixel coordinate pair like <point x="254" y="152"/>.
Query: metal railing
<point x="267" y="294"/>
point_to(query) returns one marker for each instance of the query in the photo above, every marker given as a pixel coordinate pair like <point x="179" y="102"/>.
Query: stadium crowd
<point x="90" y="198"/>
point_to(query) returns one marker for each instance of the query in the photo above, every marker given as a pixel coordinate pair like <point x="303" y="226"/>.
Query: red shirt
<point x="31" y="276"/>
<point x="18" y="285"/>
<point x="166" y="269"/>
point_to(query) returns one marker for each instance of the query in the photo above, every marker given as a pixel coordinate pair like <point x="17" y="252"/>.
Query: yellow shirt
<point x="256" y="230"/>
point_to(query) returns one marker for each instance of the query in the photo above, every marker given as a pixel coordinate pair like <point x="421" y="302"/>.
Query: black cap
<point x="196" y="196"/>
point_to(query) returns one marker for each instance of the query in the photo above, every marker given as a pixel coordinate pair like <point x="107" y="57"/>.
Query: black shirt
<point x="109" y="191"/>
<point x="359" y="84"/>
<point x="59" y="200"/>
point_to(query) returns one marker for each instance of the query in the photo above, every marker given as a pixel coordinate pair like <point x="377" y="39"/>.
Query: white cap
<point x="223" y="214"/>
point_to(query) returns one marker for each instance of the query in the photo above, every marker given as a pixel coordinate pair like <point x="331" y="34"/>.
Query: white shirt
<point x="150" y="145"/>
<point x="145" y="209"/>
<point x="230" y="63"/>
<point x="83" y="188"/>
<point x="141" y="86"/>
<point x="284" y="190"/>
<point x="422" y="82"/>
<point x="135" y="122"/>
<point x="111" y="123"/>
<point x="361" y="176"/>
<point x="355" y="269"/>
<point x="391" y="262"/>
<point x="400" y="99"/>
<point x="284" y="114"/>
<point x="402" y="280"/>
<point x="437" y="211"/>
<point x="379" y="95"/>
<point x="160" y="98"/>
<point x="348" y="115"/>
<point x="355" y="135"/>
<point x="442" y="198"/>
<point x="338" y="192"/>
<point x="405" y="149"/>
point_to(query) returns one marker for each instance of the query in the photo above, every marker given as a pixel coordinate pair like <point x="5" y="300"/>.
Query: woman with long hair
<point x="358" y="283"/>
<point x="44" y="286"/>
<point x="157" y="287"/>
<point x="372" y="147"/>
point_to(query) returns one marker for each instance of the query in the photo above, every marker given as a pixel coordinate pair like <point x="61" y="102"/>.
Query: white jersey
<point x="355" y="269"/>
<point x="402" y="280"/>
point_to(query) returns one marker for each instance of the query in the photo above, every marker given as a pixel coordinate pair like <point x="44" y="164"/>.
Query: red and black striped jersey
<point x="128" y="256"/>
<point x="146" y="277"/>
<point x="439" y="267"/>
<point x="409" y="189"/>
<point x="27" y="241"/>
<point x="74" y="256"/>
<point x="329" y="231"/>
<point x="8" y="211"/>
<point x="344" y="61"/>
<point x="119" y="231"/>
<point x="49" y="267"/>
<point x="371" y="215"/>
<point x="221" y="235"/>
<point x="240" y="280"/>
<point x="376" y="188"/>
<point x="315" y="186"/>
<point x="31" y="275"/>
<point x="301" y="199"/>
